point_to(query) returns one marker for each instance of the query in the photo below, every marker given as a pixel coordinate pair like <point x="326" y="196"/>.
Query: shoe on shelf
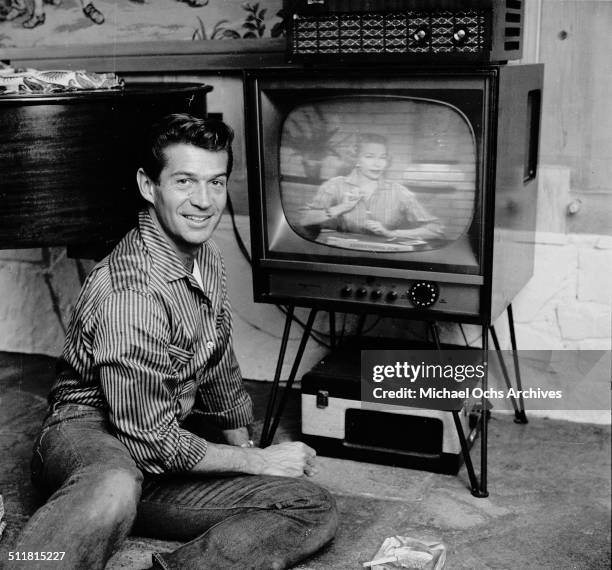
<point x="34" y="21"/>
<point x="93" y="14"/>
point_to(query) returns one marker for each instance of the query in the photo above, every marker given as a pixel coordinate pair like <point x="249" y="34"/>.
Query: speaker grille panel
<point x="389" y="33"/>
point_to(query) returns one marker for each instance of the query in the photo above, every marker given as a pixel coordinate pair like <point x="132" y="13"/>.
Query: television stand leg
<point x="504" y="369"/>
<point x="481" y="490"/>
<point x="277" y="374"/>
<point x="435" y="335"/>
<point x="478" y="489"/>
<point x="271" y="422"/>
<point x="466" y="455"/>
<point x="519" y="409"/>
<point x="520" y="417"/>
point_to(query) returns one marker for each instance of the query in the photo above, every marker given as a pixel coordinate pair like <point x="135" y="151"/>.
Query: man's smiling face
<point x="189" y="198"/>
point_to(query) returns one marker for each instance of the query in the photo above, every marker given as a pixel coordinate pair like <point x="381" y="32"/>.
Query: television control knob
<point x="376" y="294"/>
<point x="420" y="35"/>
<point x="361" y="292"/>
<point x="392" y="296"/>
<point x="423" y="294"/>
<point x="460" y="35"/>
<point x="346" y="291"/>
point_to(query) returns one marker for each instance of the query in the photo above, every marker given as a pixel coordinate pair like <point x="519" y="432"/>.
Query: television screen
<point x="378" y="173"/>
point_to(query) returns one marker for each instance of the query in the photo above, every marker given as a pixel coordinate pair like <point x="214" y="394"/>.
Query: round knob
<point x="423" y="294"/>
<point x="361" y="292"/>
<point x="346" y="291"/>
<point x="420" y="35"/>
<point x="460" y="35"/>
<point x="376" y="294"/>
<point x="391" y="296"/>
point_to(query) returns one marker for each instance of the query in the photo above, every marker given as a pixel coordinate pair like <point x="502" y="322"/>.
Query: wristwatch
<point x="249" y="443"/>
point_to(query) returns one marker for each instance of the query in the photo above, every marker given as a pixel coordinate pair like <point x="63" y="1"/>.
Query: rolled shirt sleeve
<point x="139" y="382"/>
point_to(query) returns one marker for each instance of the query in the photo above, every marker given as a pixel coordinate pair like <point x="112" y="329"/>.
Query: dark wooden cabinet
<point x="68" y="162"/>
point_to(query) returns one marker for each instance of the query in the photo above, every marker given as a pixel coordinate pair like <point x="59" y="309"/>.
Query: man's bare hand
<point x="289" y="459"/>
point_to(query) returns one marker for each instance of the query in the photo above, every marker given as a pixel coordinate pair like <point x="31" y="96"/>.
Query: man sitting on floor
<point x="150" y="344"/>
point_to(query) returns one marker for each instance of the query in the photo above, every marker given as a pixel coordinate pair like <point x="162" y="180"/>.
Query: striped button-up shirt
<point x="148" y="345"/>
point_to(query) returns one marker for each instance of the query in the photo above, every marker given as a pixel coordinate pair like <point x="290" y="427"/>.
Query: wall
<point x="571" y="40"/>
<point x="578" y="125"/>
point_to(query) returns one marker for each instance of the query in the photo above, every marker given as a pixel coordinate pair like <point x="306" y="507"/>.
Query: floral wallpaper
<point x="33" y="23"/>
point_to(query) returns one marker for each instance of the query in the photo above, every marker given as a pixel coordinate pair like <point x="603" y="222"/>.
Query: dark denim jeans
<point x="98" y="494"/>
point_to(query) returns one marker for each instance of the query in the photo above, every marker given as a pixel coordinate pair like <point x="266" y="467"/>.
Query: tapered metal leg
<point x="277" y="375"/>
<point x="466" y="454"/>
<point x="296" y="363"/>
<point x="481" y="491"/>
<point x="433" y="329"/>
<point x="519" y="416"/>
<point x="477" y="489"/>
<point x="504" y="370"/>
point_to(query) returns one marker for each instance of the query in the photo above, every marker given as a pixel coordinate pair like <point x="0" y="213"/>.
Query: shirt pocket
<point x="179" y="356"/>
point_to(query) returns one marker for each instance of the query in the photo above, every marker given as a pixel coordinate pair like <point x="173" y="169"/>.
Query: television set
<point x="402" y="191"/>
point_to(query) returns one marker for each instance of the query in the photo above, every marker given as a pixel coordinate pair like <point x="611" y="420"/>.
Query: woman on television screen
<point x="364" y="202"/>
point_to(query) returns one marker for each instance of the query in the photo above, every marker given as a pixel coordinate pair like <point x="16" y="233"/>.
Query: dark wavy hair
<point x="207" y="134"/>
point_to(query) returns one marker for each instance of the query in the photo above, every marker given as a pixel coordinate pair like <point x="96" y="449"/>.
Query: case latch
<point x="322" y="398"/>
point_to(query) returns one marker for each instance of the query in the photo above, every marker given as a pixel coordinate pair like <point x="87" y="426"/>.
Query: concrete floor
<point x="549" y="483"/>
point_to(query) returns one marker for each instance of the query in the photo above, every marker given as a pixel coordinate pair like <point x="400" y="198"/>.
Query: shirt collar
<point x="163" y="254"/>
